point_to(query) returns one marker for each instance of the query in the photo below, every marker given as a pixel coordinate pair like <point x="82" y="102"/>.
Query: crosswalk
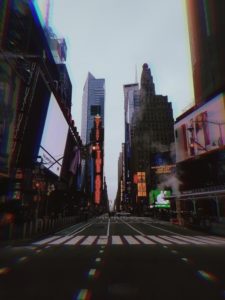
<point x="82" y="240"/>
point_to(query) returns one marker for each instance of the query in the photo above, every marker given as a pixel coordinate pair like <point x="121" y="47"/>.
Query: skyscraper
<point x="131" y="105"/>
<point x="93" y="104"/>
<point x="151" y="129"/>
<point x="207" y="41"/>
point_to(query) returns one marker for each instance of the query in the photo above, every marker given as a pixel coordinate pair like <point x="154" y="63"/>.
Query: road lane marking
<point x="45" y="241"/>
<point x="116" y="240"/>
<point x="131" y="240"/>
<point x="158" y="240"/>
<point x="108" y="227"/>
<point x="209" y="240"/>
<point x="89" y="240"/>
<point x="162" y="229"/>
<point x="102" y="240"/>
<point x="189" y="239"/>
<point x="144" y="240"/>
<point x="138" y="231"/>
<point x="60" y="241"/>
<point x="75" y="240"/>
<point x="82" y="229"/>
<point x="173" y="240"/>
<point x="217" y="238"/>
<point x="98" y="259"/>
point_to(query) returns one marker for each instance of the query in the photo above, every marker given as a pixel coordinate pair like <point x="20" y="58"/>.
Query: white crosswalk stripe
<point x="47" y="240"/>
<point x="158" y="240"/>
<point x="102" y="240"/>
<point x="60" y="241"/>
<point x="173" y="240"/>
<point x="212" y="239"/>
<point x="89" y="240"/>
<point x="144" y="240"/>
<point x="189" y="240"/>
<point x="75" y="240"/>
<point x="130" y="240"/>
<point x="116" y="240"/>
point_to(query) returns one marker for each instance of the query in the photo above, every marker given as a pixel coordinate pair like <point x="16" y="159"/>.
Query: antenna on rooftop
<point x="136" y="76"/>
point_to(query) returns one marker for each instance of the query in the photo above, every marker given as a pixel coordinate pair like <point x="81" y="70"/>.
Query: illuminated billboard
<point x="158" y="198"/>
<point x="202" y="130"/>
<point x="54" y="138"/>
<point x="141" y="184"/>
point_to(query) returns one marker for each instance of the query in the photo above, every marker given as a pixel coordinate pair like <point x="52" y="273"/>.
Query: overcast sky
<point x="109" y="38"/>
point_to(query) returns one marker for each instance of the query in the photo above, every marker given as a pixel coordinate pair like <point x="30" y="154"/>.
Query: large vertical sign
<point x="98" y="161"/>
<point x="98" y="179"/>
<point x="141" y="184"/>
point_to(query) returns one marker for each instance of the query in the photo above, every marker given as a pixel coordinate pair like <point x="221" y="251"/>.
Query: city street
<point x="116" y="258"/>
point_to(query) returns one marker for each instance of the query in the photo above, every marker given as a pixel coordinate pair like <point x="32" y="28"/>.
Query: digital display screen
<point x="54" y="138"/>
<point x="158" y="198"/>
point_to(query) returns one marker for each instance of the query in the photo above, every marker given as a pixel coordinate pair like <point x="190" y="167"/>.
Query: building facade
<point x="151" y="132"/>
<point x="92" y="111"/>
<point x="131" y="105"/>
<point x="93" y="104"/>
<point x="34" y="92"/>
<point x="200" y="131"/>
<point x="207" y="42"/>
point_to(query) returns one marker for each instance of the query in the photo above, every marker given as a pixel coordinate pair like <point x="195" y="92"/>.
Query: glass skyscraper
<point x="92" y="105"/>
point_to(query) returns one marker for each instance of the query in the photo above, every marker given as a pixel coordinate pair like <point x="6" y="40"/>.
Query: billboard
<point x="157" y="198"/>
<point x="53" y="140"/>
<point x="202" y="130"/>
<point x="141" y="184"/>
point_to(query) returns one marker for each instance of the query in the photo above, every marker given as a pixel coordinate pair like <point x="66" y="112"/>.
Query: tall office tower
<point x="206" y="22"/>
<point x="152" y="130"/>
<point x="93" y="104"/>
<point x="131" y="105"/>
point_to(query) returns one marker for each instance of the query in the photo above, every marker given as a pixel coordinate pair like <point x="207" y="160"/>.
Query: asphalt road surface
<point x="117" y="258"/>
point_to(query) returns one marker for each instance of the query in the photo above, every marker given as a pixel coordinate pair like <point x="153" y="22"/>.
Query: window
<point x="95" y="110"/>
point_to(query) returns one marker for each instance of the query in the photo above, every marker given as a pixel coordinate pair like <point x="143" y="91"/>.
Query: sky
<point x="113" y="38"/>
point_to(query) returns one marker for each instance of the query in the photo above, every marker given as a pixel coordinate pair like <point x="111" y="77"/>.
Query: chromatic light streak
<point x="207" y="276"/>
<point x="93" y="273"/>
<point x="4" y="270"/>
<point x="21" y="259"/>
<point x="83" y="294"/>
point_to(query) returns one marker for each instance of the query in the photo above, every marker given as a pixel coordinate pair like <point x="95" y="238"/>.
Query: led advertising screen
<point x="158" y="198"/>
<point x="202" y="130"/>
<point x="54" y="138"/>
<point x="141" y="184"/>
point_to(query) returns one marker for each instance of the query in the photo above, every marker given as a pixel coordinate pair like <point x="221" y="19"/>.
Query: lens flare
<point x="207" y="276"/>
<point x="83" y="294"/>
<point x="4" y="270"/>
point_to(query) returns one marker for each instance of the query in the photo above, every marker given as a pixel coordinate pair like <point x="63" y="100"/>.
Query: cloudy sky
<point x="109" y="38"/>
